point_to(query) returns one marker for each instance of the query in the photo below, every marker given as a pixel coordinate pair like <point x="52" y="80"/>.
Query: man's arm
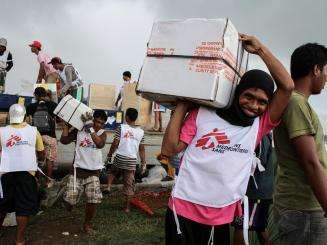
<point x="113" y="147"/>
<point x="41" y="74"/>
<point x="118" y="98"/>
<point x="283" y="80"/>
<point x="171" y="144"/>
<point x="10" y="62"/>
<point x="99" y="141"/>
<point x="308" y="160"/>
<point x="142" y="153"/>
<point x="66" y="136"/>
<point x="142" y="157"/>
<point x="39" y="147"/>
<point x="40" y="155"/>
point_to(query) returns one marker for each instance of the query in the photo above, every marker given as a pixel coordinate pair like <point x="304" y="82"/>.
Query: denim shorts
<point x="301" y="227"/>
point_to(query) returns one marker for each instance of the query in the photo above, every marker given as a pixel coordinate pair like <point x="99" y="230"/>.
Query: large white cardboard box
<point x="197" y="59"/>
<point x="70" y="110"/>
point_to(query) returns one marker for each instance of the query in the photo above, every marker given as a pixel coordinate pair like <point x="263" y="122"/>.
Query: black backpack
<point x="42" y="119"/>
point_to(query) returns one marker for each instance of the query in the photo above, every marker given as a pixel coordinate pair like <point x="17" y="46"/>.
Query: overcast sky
<point x="102" y="38"/>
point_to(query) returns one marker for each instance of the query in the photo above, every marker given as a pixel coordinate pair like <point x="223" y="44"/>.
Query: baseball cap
<point x="55" y="60"/>
<point x="3" y="42"/>
<point x="35" y="44"/>
<point x="16" y="113"/>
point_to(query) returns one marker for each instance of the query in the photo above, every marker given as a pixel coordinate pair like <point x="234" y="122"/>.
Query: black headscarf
<point x="251" y="79"/>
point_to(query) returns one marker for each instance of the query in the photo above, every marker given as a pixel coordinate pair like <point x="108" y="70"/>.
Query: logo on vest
<point x="86" y="142"/>
<point x="218" y="142"/>
<point x="128" y="135"/>
<point x="15" y="140"/>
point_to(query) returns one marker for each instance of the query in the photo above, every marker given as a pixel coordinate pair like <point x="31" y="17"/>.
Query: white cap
<point x="16" y="113"/>
<point x="3" y="42"/>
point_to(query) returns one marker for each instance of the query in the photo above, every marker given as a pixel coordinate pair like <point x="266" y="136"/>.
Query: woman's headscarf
<point x="251" y="79"/>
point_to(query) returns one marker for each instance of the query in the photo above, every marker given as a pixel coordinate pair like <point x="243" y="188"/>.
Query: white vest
<point x="4" y="60"/>
<point x="216" y="166"/>
<point x="18" y="149"/>
<point x="77" y="82"/>
<point x="130" y="139"/>
<point x="87" y="155"/>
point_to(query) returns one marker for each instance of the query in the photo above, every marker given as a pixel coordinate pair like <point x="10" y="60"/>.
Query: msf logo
<point x="213" y="139"/>
<point x="13" y="140"/>
<point x="128" y="135"/>
<point x="86" y="143"/>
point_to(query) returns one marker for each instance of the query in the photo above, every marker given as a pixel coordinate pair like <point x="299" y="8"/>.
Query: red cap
<point x="36" y="44"/>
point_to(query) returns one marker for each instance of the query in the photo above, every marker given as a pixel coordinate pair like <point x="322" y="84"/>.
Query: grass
<point x="112" y="225"/>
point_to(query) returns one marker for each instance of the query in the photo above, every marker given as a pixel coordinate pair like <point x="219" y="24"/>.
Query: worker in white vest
<point x="87" y="164"/>
<point x="219" y="153"/>
<point x="6" y="63"/>
<point x="128" y="143"/>
<point x="69" y="76"/>
<point x="22" y="147"/>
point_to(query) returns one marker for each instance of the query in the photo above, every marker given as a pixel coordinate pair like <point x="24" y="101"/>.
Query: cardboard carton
<point x="132" y="100"/>
<point x="102" y="96"/>
<point x="3" y="118"/>
<point x="71" y="110"/>
<point x="197" y="59"/>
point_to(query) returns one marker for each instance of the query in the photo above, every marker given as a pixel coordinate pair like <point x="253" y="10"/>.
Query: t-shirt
<point x="31" y="109"/>
<point x="292" y="189"/>
<point x="38" y="143"/>
<point x="45" y="59"/>
<point x="200" y="213"/>
<point x="121" y="161"/>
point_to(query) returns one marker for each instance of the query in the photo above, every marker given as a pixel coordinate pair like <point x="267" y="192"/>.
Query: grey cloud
<point x="105" y="37"/>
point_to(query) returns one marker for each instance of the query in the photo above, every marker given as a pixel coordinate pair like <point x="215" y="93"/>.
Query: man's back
<point x="32" y="108"/>
<point x="292" y="189"/>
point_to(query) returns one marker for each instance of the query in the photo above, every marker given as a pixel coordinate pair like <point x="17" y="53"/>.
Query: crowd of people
<point x="224" y="158"/>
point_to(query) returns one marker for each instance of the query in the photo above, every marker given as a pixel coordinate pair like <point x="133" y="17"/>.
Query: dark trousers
<point x="193" y="233"/>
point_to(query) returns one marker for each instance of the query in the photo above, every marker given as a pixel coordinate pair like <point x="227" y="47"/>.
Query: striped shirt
<point x="124" y="162"/>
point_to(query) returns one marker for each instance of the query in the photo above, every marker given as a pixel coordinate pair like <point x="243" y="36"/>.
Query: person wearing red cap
<point x="46" y="71"/>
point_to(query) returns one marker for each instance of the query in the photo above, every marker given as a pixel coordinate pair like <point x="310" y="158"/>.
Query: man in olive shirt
<point x="301" y="189"/>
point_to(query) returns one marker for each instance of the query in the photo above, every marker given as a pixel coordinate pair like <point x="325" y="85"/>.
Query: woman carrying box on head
<point x="219" y="152"/>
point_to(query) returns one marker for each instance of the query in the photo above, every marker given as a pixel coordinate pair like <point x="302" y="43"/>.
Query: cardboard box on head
<point x="70" y="110"/>
<point x="196" y="59"/>
<point x="102" y="96"/>
<point x="132" y="100"/>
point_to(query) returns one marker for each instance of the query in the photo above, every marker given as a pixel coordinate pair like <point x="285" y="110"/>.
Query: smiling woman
<point x="251" y="98"/>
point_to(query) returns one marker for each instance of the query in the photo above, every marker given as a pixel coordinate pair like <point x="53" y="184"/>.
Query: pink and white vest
<point x="216" y="165"/>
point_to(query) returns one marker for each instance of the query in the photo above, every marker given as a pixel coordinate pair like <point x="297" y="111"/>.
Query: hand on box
<point x="250" y="43"/>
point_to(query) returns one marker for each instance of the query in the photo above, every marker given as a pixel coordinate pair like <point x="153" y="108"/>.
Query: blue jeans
<point x="301" y="227"/>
